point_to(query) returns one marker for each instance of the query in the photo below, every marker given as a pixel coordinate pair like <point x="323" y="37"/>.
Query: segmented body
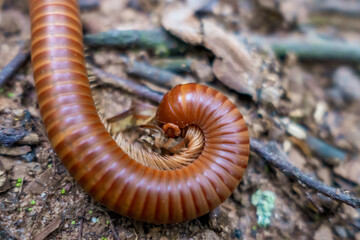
<point x="94" y="159"/>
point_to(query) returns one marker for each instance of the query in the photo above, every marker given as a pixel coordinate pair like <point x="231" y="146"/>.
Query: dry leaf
<point x="232" y="77"/>
<point x="323" y="233"/>
<point x="138" y="114"/>
<point x="180" y="21"/>
<point x="349" y="170"/>
<point x="233" y="65"/>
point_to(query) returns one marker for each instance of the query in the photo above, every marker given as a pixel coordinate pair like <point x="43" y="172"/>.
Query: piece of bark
<point x="30" y="139"/>
<point x="14" y="151"/>
<point x="39" y="185"/>
<point x="24" y="169"/>
<point x="10" y="136"/>
<point x="4" y="181"/>
<point x="47" y="230"/>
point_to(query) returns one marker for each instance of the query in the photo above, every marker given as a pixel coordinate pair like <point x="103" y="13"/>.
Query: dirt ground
<point x="307" y="101"/>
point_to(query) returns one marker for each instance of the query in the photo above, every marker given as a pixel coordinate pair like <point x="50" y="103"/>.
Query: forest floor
<point x="291" y="67"/>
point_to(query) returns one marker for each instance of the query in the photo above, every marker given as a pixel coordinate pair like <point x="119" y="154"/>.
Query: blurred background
<point x="291" y="67"/>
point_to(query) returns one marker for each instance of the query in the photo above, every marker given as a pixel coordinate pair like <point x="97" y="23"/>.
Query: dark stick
<point x="328" y="153"/>
<point x="81" y="227"/>
<point x="130" y="86"/>
<point x="275" y="157"/>
<point x="88" y="4"/>
<point x="156" y="75"/>
<point x="177" y="65"/>
<point x="9" y="136"/>
<point x="349" y="9"/>
<point x="308" y="47"/>
<point x="116" y="236"/>
<point x="157" y="40"/>
<point x="10" y="69"/>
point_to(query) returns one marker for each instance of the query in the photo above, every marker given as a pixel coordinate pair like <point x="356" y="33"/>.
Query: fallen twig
<point x="10" y="69"/>
<point x="351" y="8"/>
<point x="129" y="86"/>
<point x="310" y="199"/>
<point x="49" y="187"/>
<point x="177" y="65"/>
<point x="163" y="72"/>
<point x="328" y="153"/>
<point x="88" y="4"/>
<point x="157" y="40"/>
<point x="307" y="48"/>
<point x="273" y="156"/>
<point x="81" y="225"/>
<point x="15" y="151"/>
<point x="157" y="76"/>
<point x="116" y="236"/>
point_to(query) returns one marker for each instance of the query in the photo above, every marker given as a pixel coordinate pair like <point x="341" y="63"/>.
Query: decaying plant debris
<point x="290" y="67"/>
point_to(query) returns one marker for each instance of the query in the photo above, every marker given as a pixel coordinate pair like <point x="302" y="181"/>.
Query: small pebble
<point x="346" y="80"/>
<point x="341" y="231"/>
<point x="237" y="233"/>
<point x="19" y="113"/>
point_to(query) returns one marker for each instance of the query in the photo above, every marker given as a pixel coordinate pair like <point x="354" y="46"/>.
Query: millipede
<point x="123" y="184"/>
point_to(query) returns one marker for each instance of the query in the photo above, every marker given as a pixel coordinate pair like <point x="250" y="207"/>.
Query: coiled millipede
<point x="94" y="159"/>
